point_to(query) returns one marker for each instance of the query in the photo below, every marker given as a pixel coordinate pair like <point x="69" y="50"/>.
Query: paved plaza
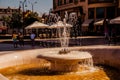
<point x="84" y="42"/>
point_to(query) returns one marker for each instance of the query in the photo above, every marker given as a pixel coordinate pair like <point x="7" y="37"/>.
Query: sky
<point x="42" y="6"/>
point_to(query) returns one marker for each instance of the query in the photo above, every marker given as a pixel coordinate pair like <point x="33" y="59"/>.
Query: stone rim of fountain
<point x="72" y="55"/>
<point x="68" y="62"/>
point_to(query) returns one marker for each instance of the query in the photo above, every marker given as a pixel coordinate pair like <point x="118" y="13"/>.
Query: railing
<point x="100" y="1"/>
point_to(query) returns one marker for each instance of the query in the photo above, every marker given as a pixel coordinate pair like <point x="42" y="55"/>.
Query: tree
<point x="6" y="19"/>
<point x="30" y="17"/>
<point x="16" y="20"/>
<point x="20" y="20"/>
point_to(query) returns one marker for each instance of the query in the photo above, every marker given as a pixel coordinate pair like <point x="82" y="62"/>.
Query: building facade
<point x="92" y="9"/>
<point x="119" y="8"/>
<point x="5" y="12"/>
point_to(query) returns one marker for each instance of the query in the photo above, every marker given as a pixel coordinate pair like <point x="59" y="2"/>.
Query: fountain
<point x="28" y="65"/>
<point x="65" y="60"/>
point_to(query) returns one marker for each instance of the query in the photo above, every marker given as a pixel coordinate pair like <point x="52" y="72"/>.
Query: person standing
<point x="14" y="38"/>
<point x="21" y="39"/>
<point x="106" y="31"/>
<point x="32" y="37"/>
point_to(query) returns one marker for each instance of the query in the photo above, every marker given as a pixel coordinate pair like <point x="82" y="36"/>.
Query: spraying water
<point x="64" y="60"/>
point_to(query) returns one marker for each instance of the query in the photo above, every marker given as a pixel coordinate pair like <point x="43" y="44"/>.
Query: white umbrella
<point x="60" y="24"/>
<point x="99" y="22"/>
<point x="115" y="20"/>
<point x="87" y="22"/>
<point x="37" y="25"/>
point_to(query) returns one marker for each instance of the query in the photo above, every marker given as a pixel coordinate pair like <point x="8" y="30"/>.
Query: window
<point x="110" y="12"/>
<point x="91" y="13"/>
<point x="91" y="1"/>
<point x="75" y="1"/>
<point x="64" y="1"/>
<point x="59" y="2"/>
<point x="82" y="0"/>
<point x="81" y="10"/>
<point x="0" y="10"/>
<point x="97" y="1"/>
<point x="100" y="12"/>
<point x="118" y="12"/>
<point x="70" y="1"/>
<point x="54" y="4"/>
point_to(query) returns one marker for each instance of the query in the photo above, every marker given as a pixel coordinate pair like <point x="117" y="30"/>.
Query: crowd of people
<point x="18" y="39"/>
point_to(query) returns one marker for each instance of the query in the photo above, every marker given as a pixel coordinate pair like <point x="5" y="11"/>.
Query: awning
<point x="115" y="20"/>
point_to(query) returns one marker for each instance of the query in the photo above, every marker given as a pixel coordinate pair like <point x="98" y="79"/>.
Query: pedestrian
<point x="21" y="39"/>
<point x="32" y="37"/>
<point x="15" y="40"/>
<point x="106" y="31"/>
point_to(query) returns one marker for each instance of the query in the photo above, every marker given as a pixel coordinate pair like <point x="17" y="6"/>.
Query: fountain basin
<point x="72" y="62"/>
<point x="100" y="54"/>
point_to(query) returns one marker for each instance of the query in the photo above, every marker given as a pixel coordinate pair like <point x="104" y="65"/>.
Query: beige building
<point x="5" y="12"/>
<point x="92" y="9"/>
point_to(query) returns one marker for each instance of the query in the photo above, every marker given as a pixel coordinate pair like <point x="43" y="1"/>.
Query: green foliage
<point x="16" y="20"/>
<point x="6" y="19"/>
<point x="19" y="20"/>
<point x="30" y="18"/>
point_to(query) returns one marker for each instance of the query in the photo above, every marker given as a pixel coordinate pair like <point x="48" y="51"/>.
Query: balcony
<point x="100" y="1"/>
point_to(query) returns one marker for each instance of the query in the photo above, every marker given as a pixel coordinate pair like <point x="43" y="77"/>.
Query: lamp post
<point x="23" y="5"/>
<point x="32" y="4"/>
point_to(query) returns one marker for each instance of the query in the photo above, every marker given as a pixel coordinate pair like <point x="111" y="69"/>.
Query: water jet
<point x="65" y="60"/>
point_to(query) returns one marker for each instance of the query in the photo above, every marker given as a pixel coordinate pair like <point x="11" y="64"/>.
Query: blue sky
<point x="41" y="6"/>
